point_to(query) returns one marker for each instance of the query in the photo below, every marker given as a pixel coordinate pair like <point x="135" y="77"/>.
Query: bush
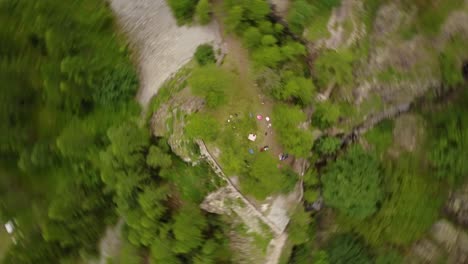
<point x="252" y="37"/>
<point x="299" y="88"/>
<point x="347" y="249"/>
<point x="300" y="14"/>
<point x="327" y="145"/>
<point x="182" y="9"/>
<point x="297" y="228"/>
<point x="325" y="115"/>
<point x="265" y="178"/>
<point x="335" y="67"/>
<point x="268" y="56"/>
<point x="401" y="218"/>
<point x="205" y="54"/>
<point x="203" y="12"/>
<point x="352" y="183"/>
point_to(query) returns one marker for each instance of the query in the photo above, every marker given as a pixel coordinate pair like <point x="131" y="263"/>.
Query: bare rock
<point x="169" y="121"/>
<point x="425" y="251"/>
<point x="445" y="234"/>
<point x="457" y="205"/>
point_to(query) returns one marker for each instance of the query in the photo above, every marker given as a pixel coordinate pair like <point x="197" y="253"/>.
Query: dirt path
<point x="163" y="46"/>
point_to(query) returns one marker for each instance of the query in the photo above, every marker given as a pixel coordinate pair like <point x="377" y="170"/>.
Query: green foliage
<point x="449" y="142"/>
<point x="327" y="146"/>
<point x="296" y="87"/>
<point x="300" y="14"/>
<point x="211" y="83"/>
<point x="234" y="18"/>
<point x="347" y="249"/>
<point x="389" y="257"/>
<point x="326" y="114"/>
<point x="203" y="12"/>
<point x="268" y="40"/>
<point x="287" y="121"/>
<point x="381" y="136"/>
<point x="450" y="69"/>
<point x="293" y="49"/>
<point x="188" y="226"/>
<point x="321" y="257"/>
<point x="62" y="67"/>
<point x="205" y="54"/>
<point x="269" y="56"/>
<point x="335" y="67"/>
<point x="183" y="10"/>
<point x="157" y="158"/>
<point x="202" y="126"/>
<point x="252" y="37"/>
<point x="401" y="219"/>
<point x="352" y="183"/>
<point x="300" y="221"/>
<point x="265" y="178"/>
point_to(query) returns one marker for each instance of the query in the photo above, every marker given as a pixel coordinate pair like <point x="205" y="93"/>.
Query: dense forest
<point x="80" y="156"/>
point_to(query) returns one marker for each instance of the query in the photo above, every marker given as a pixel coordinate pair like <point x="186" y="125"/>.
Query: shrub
<point x="252" y="37"/>
<point x="300" y="14"/>
<point x="352" y="183"/>
<point x="203" y="12"/>
<point x="325" y="115"/>
<point x="327" y="145"/>
<point x="347" y="249"/>
<point x="205" y="54"/>
<point x="298" y="88"/>
<point x="265" y="178"/>
<point x="182" y="9"/>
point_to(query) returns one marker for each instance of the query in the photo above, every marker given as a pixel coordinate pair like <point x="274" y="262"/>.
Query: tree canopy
<point x="352" y="184"/>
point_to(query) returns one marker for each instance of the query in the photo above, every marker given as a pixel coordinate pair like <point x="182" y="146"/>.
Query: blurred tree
<point x="352" y="183"/>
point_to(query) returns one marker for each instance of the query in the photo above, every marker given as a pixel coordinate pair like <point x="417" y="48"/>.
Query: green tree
<point x="267" y="56"/>
<point x="234" y="18"/>
<point x="205" y="54"/>
<point x="299" y="88"/>
<point x="335" y="67"/>
<point x="293" y="49"/>
<point x="203" y="11"/>
<point x="327" y="145"/>
<point x="183" y="9"/>
<point x="300" y="221"/>
<point x="299" y="15"/>
<point x="157" y="158"/>
<point x="448" y="146"/>
<point x="347" y="249"/>
<point x="352" y="183"/>
<point x="268" y="40"/>
<point x="188" y="228"/>
<point x="320" y="257"/>
<point x="265" y="178"/>
<point x="401" y="218"/>
<point x="326" y="114"/>
<point x="252" y="37"/>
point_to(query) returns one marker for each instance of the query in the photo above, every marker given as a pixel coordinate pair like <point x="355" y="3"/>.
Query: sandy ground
<point x="163" y="46"/>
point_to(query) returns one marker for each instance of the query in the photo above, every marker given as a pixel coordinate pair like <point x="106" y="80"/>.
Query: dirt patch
<point x="163" y="46"/>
